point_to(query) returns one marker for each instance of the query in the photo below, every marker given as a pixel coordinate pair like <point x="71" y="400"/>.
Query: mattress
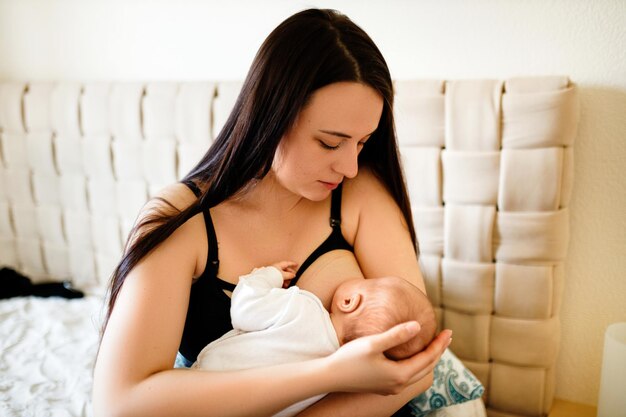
<point x="47" y="352"/>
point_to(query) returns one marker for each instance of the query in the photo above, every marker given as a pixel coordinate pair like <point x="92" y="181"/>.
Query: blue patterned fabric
<point x="453" y="384"/>
<point x="181" y="361"/>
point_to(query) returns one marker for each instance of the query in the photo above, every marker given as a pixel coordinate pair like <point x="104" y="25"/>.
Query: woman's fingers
<point x="395" y="336"/>
<point x="424" y="362"/>
<point x="364" y="368"/>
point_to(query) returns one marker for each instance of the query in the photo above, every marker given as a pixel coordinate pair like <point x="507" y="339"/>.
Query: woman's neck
<point x="267" y="196"/>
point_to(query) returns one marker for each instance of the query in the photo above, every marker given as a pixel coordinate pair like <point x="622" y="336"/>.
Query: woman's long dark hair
<point x="309" y="50"/>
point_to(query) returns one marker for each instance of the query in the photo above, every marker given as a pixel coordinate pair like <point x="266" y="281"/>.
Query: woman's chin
<point x="317" y="195"/>
<point x="317" y="192"/>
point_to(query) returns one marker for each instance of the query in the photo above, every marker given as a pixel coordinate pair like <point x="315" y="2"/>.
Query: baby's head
<point x="362" y="307"/>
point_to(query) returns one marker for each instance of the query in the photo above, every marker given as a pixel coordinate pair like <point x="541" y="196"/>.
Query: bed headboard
<point x="489" y="167"/>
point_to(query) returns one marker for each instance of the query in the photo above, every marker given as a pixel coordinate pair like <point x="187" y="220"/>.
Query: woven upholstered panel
<point x="79" y="161"/>
<point x="489" y="169"/>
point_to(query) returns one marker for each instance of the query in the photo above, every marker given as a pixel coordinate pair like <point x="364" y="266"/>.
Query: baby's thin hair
<point x="391" y="303"/>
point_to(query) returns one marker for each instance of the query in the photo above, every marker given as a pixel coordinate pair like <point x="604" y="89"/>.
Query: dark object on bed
<point x="14" y="284"/>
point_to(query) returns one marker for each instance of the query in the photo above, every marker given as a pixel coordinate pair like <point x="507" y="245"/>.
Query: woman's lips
<point x="330" y="185"/>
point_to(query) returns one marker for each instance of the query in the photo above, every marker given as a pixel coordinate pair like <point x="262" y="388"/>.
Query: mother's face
<point x="323" y="146"/>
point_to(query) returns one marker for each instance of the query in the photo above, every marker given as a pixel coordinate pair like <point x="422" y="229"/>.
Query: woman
<point x="311" y="135"/>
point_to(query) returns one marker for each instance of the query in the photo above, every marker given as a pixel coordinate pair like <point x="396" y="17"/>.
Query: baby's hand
<point x="288" y="271"/>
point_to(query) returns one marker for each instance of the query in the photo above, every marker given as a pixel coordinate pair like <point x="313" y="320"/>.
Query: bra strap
<point x="214" y="260"/>
<point x="335" y="207"/>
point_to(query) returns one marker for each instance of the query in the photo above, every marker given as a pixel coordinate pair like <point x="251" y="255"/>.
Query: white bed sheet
<point x="47" y="352"/>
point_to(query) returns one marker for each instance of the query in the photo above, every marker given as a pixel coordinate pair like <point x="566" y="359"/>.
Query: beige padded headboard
<point x="489" y="171"/>
<point x="489" y="167"/>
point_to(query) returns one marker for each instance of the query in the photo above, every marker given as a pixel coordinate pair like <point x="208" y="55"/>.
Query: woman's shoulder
<point x="365" y="187"/>
<point x="168" y="201"/>
<point x="177" y="195"/>
<point x="364" y="200"/>
<point x="171" y="200"/>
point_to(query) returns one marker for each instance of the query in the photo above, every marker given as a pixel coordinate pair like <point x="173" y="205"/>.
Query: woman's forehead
<point x="350" y="108"/>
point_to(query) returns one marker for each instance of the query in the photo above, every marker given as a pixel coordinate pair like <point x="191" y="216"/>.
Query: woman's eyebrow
<point x="340" y="134"/>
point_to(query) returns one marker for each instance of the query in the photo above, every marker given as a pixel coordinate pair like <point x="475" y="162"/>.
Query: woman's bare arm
<point x="382" y="247"/>
<point x="382" y="243"/>
<point x="134" y="376"/>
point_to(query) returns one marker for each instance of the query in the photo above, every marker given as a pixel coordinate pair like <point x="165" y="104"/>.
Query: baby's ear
<point x="349" y="303"/>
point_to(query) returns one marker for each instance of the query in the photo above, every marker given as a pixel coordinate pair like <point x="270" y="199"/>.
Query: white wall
<point x="199" y="40"/>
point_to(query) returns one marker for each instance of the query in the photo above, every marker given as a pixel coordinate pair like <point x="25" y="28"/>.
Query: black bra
<point x="208" y="314"/>
<point x="334" y="241"/>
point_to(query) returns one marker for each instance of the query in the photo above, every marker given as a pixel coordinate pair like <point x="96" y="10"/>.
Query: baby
<point x="274" y="325"/>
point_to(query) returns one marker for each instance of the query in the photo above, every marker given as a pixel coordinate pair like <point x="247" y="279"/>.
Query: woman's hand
<point x="361" y="366"/>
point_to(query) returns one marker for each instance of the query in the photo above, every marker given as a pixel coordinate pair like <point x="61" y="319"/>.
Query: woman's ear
<point x="349" y="303"/>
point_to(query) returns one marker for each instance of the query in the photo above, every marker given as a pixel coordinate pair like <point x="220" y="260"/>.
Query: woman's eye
<point x="327" y="146"/>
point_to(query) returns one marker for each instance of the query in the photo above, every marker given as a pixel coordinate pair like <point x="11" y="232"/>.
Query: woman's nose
<point x="348" y="162"/>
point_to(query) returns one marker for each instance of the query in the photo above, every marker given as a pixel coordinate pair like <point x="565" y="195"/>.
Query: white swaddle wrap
<point x="271" y="326"/>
